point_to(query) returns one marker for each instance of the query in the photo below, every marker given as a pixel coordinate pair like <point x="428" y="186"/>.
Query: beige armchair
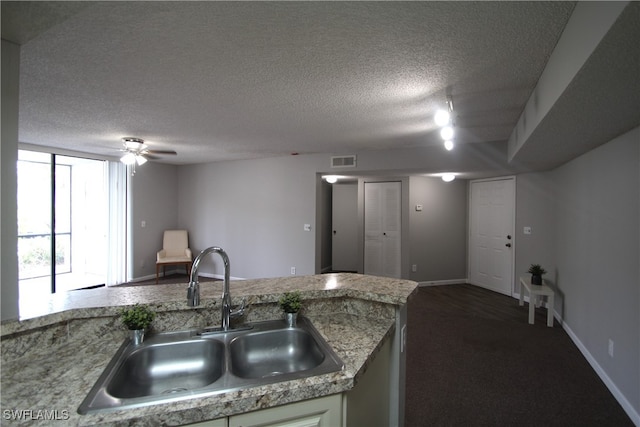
<point x="175" y="251"/>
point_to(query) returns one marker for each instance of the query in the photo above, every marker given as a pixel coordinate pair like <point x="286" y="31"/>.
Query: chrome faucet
<point x="193" y="292"/>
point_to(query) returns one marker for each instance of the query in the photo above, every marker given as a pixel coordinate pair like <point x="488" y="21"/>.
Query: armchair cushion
<point x="175" y="247"/>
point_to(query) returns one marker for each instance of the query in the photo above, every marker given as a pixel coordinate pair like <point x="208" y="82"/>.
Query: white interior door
<point x="344" y="246"/>
<point x="491" y="228"/>
<point x="382" y="228"/>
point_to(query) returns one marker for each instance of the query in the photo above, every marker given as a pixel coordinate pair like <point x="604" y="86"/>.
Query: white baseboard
<point x="617" y="394"/>
<point x="219" y="276"/>
<point x="442" y="282"/>
<point x="169" y="273"/>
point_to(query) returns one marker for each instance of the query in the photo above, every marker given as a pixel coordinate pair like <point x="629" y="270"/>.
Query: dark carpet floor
<point x="473" y="360"/>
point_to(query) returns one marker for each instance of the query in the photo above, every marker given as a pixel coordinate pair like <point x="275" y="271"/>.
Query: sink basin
<point x="170" y="367"/>
<point x="273" y="353"/>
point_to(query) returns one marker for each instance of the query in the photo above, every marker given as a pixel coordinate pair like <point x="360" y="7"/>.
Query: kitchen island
<point x="53" y="356"/>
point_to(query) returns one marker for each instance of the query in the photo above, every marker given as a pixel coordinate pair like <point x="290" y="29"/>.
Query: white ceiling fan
<point x="137" y="152"/>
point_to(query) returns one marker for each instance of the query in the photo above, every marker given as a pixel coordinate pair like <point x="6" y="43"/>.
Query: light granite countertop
<point x="51" y="374"/>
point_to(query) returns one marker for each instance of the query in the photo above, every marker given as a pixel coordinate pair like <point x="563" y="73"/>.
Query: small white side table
<point x="534" y="292"/>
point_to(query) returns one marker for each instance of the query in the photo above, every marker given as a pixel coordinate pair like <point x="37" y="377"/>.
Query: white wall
<point x="597" y="246"/>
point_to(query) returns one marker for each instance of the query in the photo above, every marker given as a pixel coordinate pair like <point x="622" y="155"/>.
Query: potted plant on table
<point x="291" y="303"/>
<point x="536" y="271"/>
<point x="137" y="319"/>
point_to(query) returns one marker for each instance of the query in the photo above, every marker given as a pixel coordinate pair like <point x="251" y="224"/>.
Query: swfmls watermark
<point x="35" y="414"/>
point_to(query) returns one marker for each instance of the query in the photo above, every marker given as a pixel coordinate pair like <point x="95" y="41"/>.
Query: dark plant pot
<point x="536" y="279"/>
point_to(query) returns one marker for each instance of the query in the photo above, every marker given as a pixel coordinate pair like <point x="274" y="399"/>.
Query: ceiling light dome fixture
<point x="331" y="179"/>
<point x="448" y="177"/>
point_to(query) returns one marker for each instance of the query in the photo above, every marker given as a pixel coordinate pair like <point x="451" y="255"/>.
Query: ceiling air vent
<point x="343" y="161"/>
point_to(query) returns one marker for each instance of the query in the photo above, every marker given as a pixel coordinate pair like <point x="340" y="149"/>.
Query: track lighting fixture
<point x="444" y="119"/>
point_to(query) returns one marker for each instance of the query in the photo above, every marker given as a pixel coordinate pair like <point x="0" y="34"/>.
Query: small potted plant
<point x="536" y="271"/>
<point x="137" y="319"/>
<point x="291" y="303"/>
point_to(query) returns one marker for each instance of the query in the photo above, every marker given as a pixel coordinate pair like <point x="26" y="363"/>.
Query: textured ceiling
<point x="234" y="80"/>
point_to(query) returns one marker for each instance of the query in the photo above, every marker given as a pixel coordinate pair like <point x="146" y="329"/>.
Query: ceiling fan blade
<point x="151" y="156"/>
<point x="163" y="152"/>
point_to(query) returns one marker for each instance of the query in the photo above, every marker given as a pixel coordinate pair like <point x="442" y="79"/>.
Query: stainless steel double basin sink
<point x="174" y="366"/>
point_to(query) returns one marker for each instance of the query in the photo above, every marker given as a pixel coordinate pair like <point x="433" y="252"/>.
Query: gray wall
<point x="535" y="208"/>
<point x="597" y="246"/>
<point x="256" y="211"/>
<point x="8" y="158"/>
<point x="438" y="241"/>
<point x="154" y="199"/>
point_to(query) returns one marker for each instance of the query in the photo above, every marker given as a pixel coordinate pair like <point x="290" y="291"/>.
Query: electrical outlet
<point x="610" y="347"/>
<point x="414" y="267"/>
<point x="143" y="264"/>
<point x="293" y="270"/>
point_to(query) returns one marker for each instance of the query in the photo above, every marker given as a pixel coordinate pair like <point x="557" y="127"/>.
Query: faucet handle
<point x="240" y="310"/>
<point x="193" y="294"/>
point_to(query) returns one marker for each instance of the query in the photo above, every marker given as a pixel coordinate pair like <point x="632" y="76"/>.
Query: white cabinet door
<point x="382" y="228"/>
<point x="320" y="412"/>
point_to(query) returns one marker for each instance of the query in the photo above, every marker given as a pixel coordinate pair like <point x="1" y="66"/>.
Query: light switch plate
<point x="527" y="230"/>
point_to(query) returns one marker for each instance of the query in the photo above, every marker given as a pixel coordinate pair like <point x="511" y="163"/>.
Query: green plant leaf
<point x="137" y="317"/>
<point x="291" y="302"/>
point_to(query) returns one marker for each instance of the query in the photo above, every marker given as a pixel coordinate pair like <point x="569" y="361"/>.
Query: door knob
<point x="509" y="236"/>
<point x="508" y="245"/>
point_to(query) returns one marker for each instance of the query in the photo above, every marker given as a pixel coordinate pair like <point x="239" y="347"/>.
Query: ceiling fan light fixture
<point x="448" y="145"/>
<point x="140" y="160"/>
<point x="134" y="144"/>
<point x="128" y="159"/>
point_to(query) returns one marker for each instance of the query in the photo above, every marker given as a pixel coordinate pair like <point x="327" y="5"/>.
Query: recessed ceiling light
<point x="448" y="144"/>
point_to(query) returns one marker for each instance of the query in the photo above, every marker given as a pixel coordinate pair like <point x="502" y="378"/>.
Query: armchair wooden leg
<point x="157" y="269"/>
